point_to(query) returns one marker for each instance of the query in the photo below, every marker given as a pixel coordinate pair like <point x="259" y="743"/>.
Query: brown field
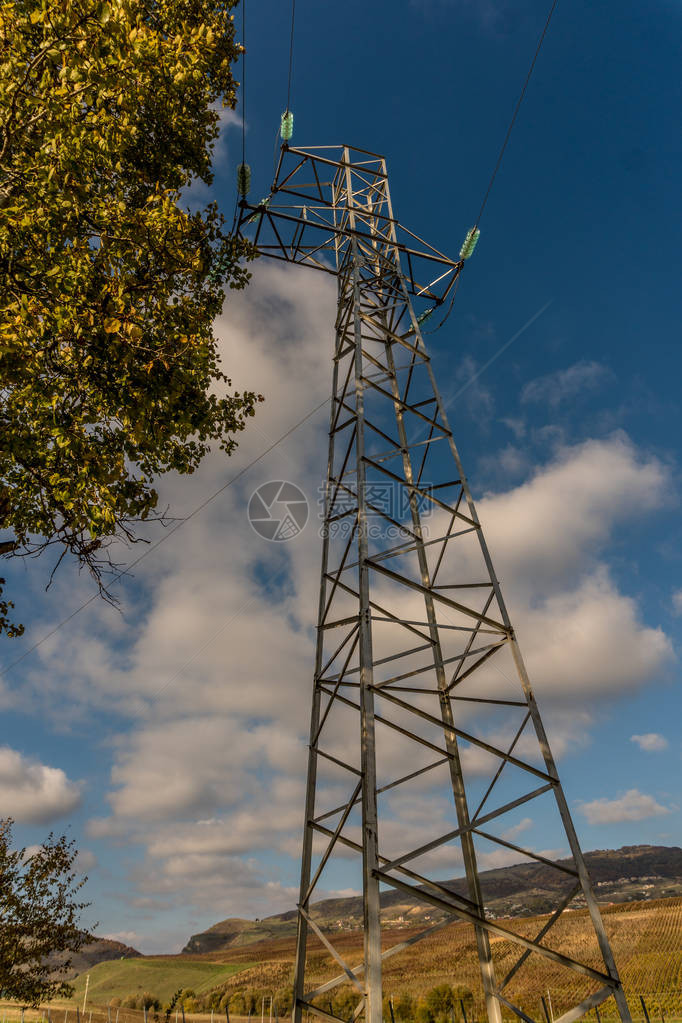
<point x="646" y="938"/>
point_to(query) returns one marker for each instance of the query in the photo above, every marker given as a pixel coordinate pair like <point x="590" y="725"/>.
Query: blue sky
<point x="169" y="737"/>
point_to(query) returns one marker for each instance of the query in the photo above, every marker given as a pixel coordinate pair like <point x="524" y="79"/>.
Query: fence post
<point x="545" y="1009"/>
<point x="646" y="1014"/>
<point x="596" y="1009"/>
<point x="227" y="1010"/>
<point x="464" y="1012"/>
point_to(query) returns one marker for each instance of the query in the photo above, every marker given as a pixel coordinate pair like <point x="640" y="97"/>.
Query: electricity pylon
<point x="420" y="689"/>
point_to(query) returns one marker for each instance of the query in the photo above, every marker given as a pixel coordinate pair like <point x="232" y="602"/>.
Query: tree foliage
<point x="5" y="624"/>
<point x="146" y="1000"/>
<point x="109" y="283"/>
<point x="38" y="917"/>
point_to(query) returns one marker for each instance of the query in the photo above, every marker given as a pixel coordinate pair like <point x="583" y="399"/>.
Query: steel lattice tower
<point x="418" y="674"/>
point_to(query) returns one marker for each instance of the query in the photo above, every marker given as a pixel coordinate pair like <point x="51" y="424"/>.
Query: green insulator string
<point x="422" y="318"/>
<point x="469" y="243"/>
<point x="287" y="126"/>
<point x="259" y="213"/>
<point x="243" y="179"/>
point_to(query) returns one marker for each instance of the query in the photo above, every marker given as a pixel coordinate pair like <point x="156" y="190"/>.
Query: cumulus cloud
<point x="225" y="742"/>
<point x="85" y="861"/>
<point x="650" y="742"/>
<point x="565" y="384"/>
<point x="611" y="649"/>
<point x="549" y="529"/>
<point x="211" y="664"/>
<point x="518" y="829"/>
<point x="632" y="806"/>
<point x="33" y="793"/>
<point x="180" y="767"/>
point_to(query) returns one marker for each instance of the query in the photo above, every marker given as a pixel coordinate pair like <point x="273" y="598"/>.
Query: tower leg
<point x="311" y="781"/>
<point x="458" y="789"/>
<point x="370" y="840"/>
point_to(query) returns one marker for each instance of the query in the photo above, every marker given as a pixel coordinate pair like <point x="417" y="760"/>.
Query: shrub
<point x="343" y="1002"/>
<point x="283" y="1001"/>
<point x="149" y="1001"/>
<point x="404" y="1007"/>
<point x="440" y="1002"/>
<point x="460" y="994"/>
<point x="424" y="1014"/>
<point x="237" y="1003"/>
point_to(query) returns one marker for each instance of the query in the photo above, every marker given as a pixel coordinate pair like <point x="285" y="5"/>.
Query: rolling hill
<point x="100" y="950"/>
<point x="646" y="937"/>
<point x="162" y="975"/>
<point x="622" y="875"/>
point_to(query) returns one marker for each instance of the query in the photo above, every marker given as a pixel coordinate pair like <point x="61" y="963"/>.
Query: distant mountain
<point x="632" y="873"/>
<point x="100" y="950"/>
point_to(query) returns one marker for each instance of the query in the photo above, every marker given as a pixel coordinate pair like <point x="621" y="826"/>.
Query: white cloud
<point x="33" y="793"/>
<point x="212" y="661"/>
<point x="677" y="602"/>
<point x="650" y="742"/>
<point x="180" y="767"/>
<point x="611" y="649"/>
<point x="518" y="829"/>
<point x="632" y="806"/>
<point x="85" y="861"/>
<point x="223" y="743"/>
<point x="549" y="529"/>
<point x="565" y="384"/>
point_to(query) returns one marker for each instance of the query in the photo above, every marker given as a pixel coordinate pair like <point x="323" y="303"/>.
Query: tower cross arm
<point x="302" y="221"/>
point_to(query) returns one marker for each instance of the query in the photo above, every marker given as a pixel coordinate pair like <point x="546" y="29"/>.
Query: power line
<point x="291" y="52"/>
<point x="516" y="110"/>
<point x="244" y="82"/>
<point x="199" y="508"/>
<point x="500" y="155"/>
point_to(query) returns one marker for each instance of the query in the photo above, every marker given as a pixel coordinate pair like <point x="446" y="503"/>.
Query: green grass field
<point x="160" y="976"/>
